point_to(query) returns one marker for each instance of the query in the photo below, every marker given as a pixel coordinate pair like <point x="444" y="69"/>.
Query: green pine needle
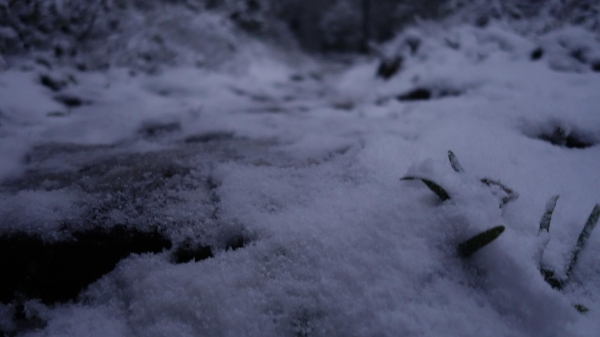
<point x="547" y="217"/>
<point x="583" y="237"/>
<point x="479" y="241"/>
<point x="434" y="187"/>
<point x="454" y="162"/>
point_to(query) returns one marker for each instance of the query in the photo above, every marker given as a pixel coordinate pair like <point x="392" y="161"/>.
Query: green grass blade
<point x="454" y="162"/>
<point x="479" y="241"/>
<point x="547" y="217"/>
<point x="434" y="187"/>
<point x="491" y="182"/>
<point x="583" y="237"/>
<point x="510" y="194"/>
<point x="548" y="275"/>
<point x="505" y="200"/>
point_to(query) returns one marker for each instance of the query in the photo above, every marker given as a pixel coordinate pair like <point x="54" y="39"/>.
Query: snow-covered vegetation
<point x="196" y="168"/>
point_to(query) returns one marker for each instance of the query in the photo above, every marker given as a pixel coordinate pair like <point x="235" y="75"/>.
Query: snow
<point x="339" y="245"/>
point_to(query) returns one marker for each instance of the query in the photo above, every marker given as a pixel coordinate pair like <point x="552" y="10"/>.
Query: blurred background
<point x="100" y="33"/>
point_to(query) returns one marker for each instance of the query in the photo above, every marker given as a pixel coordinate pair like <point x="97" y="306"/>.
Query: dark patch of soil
<point x="188" y="252"/>
<point x="52" y="272"/>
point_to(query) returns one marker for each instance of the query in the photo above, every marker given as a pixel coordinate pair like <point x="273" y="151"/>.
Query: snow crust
<point x="339" y="245"/>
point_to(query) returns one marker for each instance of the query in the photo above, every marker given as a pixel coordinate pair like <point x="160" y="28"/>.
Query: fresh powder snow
<point x="303" y="161"/>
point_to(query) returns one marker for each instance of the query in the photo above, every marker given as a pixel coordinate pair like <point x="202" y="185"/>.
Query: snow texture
<point x="303" y="159"/>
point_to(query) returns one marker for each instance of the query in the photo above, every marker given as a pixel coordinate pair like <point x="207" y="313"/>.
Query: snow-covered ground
<point x="304" y="162"/>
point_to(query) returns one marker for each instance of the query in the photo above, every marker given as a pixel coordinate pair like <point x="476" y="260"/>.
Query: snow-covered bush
<point x="538" y="16"/>
<point x="64" y="26"/>
<point x="58" y="24"/>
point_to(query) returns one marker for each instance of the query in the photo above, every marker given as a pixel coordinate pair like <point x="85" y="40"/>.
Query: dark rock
<point x="52" y="83"/>
<point x="596" y="66"/>
<point x="71" y="101"/>
<point x="422" y="94"/>
<point x="389" y="67"/>
<point x="57" y="271"/>
<point x="536" y="54"/>
<point x="416" y="95"/>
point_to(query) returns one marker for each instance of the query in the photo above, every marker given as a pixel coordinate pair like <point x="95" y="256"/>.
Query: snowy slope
<point x="305" y="163"/>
